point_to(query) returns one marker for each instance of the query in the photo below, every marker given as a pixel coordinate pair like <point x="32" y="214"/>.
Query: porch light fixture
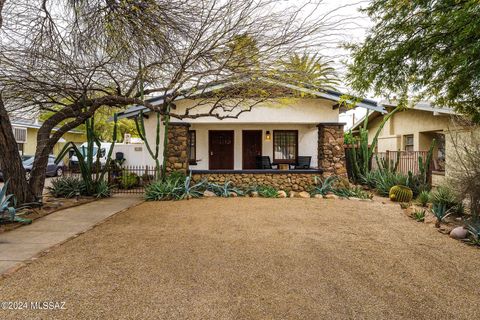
<point x="268" y="136"/>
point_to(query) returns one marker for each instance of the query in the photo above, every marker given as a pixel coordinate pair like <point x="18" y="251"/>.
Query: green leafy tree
<point x="430" y="48"/>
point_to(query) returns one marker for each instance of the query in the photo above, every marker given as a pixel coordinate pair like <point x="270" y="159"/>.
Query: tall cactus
<point x="424" y="166"/>
<point x="85" y="157"/>
<point x="140" y="124"/>
<point x="360" y="154"/>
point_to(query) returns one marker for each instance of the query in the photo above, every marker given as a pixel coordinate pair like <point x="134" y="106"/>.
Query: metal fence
<point x="125" y="179"/>
<point x="131" y="179"/>
<point x="407" y="160"/>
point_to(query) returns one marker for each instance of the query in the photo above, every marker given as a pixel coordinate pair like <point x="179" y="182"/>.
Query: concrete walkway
<point x="23" y="244"/>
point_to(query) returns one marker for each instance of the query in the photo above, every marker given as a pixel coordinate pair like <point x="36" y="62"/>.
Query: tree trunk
<point x="11" y="162"/>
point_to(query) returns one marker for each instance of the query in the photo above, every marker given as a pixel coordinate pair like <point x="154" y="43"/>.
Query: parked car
<point x="53" y="170"/>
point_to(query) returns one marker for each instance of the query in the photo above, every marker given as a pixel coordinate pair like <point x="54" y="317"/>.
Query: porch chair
<point x="303" y="162"/>
<point x="263" y="162"/>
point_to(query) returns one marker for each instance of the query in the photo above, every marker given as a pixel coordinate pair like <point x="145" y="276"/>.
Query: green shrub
<point x="67" y="187"/>
<point x="423" y="198"/>
<point x="128" y="180"/>
<point x="444" y="196"/>
<point x="267" y="191"/>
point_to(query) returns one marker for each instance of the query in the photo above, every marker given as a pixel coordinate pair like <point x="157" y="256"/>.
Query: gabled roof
<point x="29" y="123"/>
<point x="214" y="86"/>
<point x="421" y="106"/>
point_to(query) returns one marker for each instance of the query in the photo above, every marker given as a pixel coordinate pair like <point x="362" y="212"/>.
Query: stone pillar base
<point x="331" y="151"/>
<point x="177" y="153"/>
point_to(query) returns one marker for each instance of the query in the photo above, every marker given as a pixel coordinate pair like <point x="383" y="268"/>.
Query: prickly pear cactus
<point x="401" y="194"/>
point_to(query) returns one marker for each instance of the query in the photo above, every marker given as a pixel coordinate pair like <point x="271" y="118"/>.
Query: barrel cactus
<point x="401" y="194"/>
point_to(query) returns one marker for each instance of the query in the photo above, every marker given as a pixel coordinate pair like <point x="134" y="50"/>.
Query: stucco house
<point x="412" y="130"/>
<point x="25" y="132"/>
<point x="298" y="123"/>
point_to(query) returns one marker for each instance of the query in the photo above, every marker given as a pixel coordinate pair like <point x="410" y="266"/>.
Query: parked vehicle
<point x="53" y="170"/>
<point x="102" y="156"/>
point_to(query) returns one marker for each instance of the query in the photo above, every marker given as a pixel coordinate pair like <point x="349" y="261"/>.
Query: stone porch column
<point x="177" y="153"/>
<point x="331" y="152"/>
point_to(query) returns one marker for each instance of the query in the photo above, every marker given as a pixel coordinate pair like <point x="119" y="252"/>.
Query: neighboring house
<point x="25" y="132"/>
<point x="412" y="130"/>
<point x="284" y="129"/>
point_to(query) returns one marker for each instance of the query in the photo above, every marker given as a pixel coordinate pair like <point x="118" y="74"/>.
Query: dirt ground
<point x="254" y="259"/>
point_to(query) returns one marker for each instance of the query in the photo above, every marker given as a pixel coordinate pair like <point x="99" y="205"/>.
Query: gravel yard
<point x="254" y="259"/>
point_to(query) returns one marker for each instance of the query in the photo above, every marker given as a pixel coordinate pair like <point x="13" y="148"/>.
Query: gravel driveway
<point x="254" y="259"/>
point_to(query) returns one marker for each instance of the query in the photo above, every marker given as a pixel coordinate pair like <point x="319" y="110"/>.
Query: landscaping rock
<point x="281" y="194"/>
<point x="459" y="233"/>
<point x="254" y="194"/>
<point x="318" y="196"/>
<point x="233" y="194"/>
<point x="331" y="196"/>
<point x="292" y="194"/>
<point x="303" y="194"/>
<point x="208" y="193"/>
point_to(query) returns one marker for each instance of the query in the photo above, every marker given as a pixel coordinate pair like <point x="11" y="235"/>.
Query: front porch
<point x="234" y="149"/>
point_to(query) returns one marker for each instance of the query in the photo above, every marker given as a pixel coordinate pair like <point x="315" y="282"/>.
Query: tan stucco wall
<point x="456" y="140"/>
<point x="419" y="123"/>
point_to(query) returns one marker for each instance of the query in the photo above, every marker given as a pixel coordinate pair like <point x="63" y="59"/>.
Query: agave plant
<point x="8" y="213"/>
<point x="419" y="215"/>
<point x="473" y="228"/>
<point x="440" y="212"/>
<point x="192" y="191"/>
<point x="224" y="190"/>
<point x="355" y="192"/>
<point x="325" y="186"/>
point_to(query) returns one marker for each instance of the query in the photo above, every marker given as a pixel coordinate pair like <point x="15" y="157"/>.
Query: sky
<point x="352" y="28"/>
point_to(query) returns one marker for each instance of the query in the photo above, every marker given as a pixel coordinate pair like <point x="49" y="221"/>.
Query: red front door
<point x="251" y="147"/>
<point x="220" y="144"/>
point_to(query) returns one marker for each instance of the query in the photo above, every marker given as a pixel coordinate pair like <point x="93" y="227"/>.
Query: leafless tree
<point x="72" y="57"/>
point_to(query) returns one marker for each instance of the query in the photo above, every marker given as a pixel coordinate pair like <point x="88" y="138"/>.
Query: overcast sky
<point x="352" y="28"/>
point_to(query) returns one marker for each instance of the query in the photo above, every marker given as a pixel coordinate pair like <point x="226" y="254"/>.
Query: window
<point x="408" y="142"/>
<point x="20" y="135"/>
<point x="192" y="147"/>
<point x="285" y="146"/>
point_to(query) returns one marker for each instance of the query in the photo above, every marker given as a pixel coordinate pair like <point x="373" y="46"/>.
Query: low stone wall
<point x="287" y="181"/>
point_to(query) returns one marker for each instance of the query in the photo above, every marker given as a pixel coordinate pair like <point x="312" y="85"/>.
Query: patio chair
<point x="303" y="162"/>
<point x="263" y="162"/>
